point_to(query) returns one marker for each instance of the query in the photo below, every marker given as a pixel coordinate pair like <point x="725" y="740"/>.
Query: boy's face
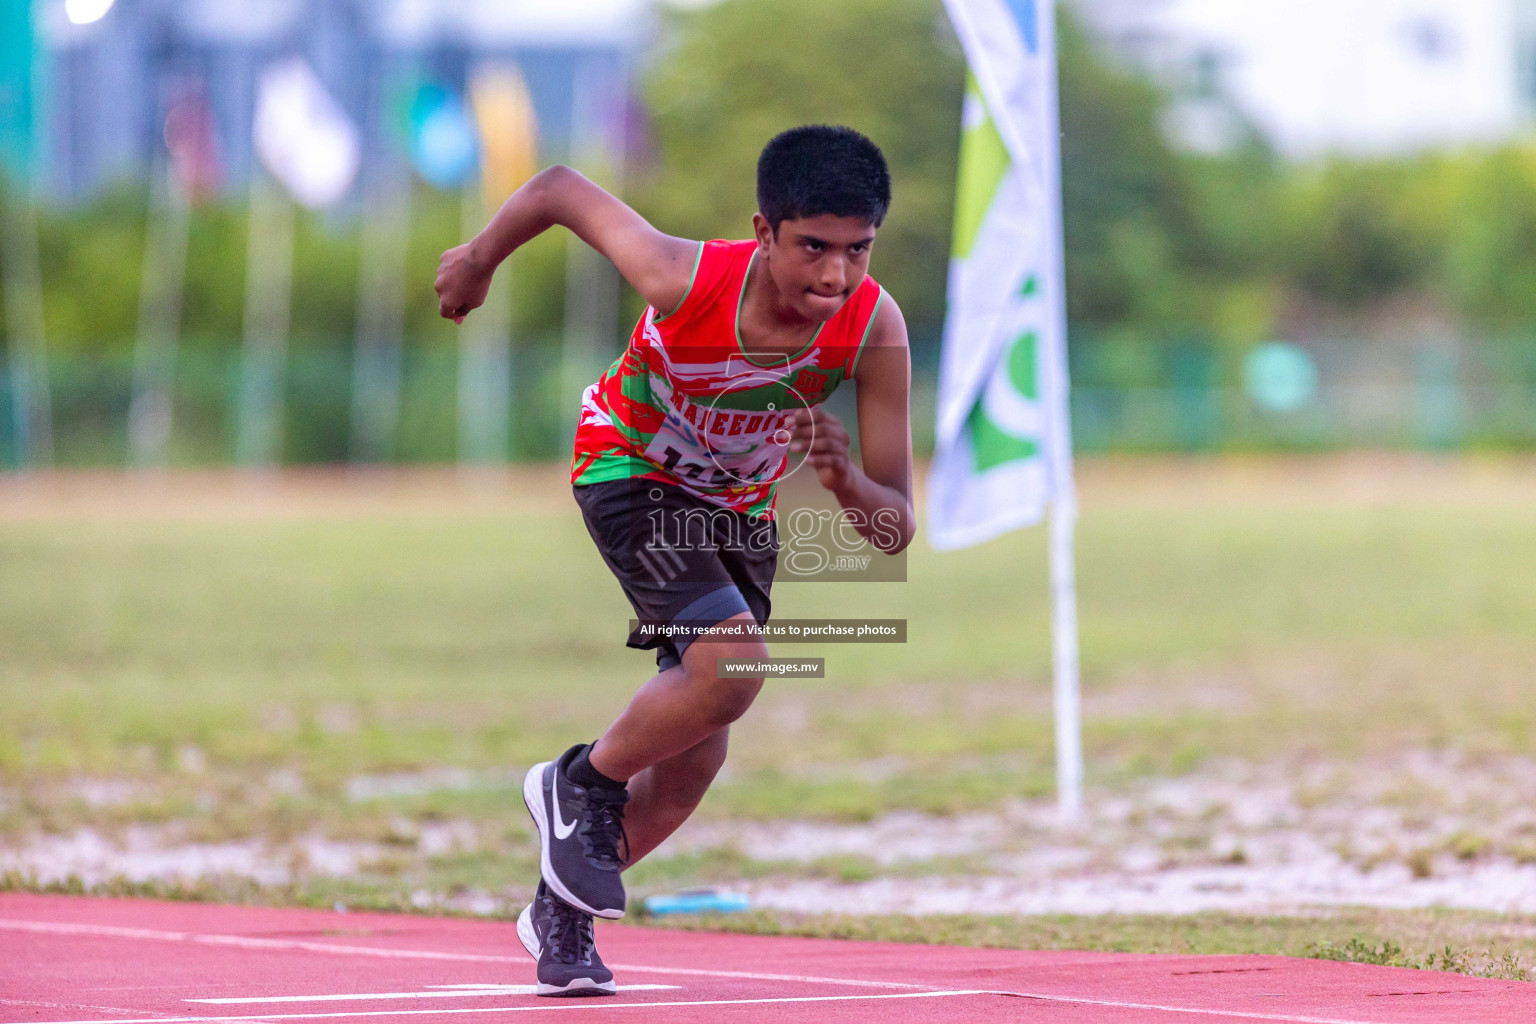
<point x="816" y="262"/>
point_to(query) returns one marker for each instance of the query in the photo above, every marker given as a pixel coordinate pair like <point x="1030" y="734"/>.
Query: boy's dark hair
<point x="820" y="168"/>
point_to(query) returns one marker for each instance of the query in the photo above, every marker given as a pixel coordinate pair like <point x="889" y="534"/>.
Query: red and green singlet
<point x="687" y="404"/>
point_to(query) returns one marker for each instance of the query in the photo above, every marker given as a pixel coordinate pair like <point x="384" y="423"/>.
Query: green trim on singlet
<point x="636" y="387"/>
<point x="741" y="346"/>
<point x="764" y="503"/>
<point x="691" y="279"/>
<point x="613" y="464"/>
<point x="854" y="366"/>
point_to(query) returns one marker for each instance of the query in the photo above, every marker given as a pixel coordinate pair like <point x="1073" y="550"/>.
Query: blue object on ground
<point x="698" y="901"/>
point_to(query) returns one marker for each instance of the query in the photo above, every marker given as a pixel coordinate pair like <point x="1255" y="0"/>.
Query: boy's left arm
<point x="881" y="490"/>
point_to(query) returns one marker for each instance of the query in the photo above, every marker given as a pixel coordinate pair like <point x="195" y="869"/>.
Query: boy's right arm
<point x="657" y="265"/>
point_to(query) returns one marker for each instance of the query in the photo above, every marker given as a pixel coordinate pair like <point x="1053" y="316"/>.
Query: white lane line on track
<point x="603" y="1004"/>
<point x="246" y="942"/>
<point x="754" y="976"/>
<point x="110" y="931"/>
<point x="444" y="992"/>
<point x="67" y="1006"/>
<point x="1236" y="1014"/>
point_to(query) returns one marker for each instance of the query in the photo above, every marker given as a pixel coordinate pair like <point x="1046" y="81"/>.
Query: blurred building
<point x="1315" y="76"/>
<point x="112" y="72"/>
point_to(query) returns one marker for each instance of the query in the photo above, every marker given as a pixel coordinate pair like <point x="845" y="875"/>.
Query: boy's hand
<point x="821" y="436"/>
<point x="462" y="282"/>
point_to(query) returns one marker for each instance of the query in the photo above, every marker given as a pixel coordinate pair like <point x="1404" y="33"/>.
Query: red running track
<point x="82" y="959"/>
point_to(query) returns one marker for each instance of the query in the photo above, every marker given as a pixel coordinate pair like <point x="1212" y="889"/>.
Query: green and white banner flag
<point x="1002" y="431"/>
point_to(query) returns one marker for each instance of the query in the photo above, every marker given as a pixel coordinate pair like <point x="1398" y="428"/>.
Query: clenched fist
<point x="462" y="282"/>
<point x="822" y="437"/>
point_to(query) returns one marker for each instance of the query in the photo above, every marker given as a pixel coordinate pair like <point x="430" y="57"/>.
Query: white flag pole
<point x="1058" y="438"/>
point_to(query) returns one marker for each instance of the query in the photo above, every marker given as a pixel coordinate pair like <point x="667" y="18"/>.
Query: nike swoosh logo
<point x="562" y="830"/>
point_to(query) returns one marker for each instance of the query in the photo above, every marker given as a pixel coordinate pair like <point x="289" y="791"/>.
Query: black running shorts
<point x="684" y="564"/>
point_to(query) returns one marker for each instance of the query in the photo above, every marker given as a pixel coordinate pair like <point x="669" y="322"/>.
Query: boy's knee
<point x="735" y="696"/>
<point x="731" y="696"/>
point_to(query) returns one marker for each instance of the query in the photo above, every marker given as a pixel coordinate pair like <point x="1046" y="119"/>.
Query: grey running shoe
<point x="580" y="831"/>
<point x="559" y="937"/>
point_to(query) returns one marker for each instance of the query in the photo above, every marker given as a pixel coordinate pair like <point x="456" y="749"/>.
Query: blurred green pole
<point x="159" y="328"/>
<point x="1437" y="400"/>
<point x="591" y="282"/>
<point x="27" y="348"/>
<point x="264" y="351"/>
<point x="381" y="289"/>
<point x="1197" y="412"/>
<point x="20" y="266"/>
<point x="485" y="359"/>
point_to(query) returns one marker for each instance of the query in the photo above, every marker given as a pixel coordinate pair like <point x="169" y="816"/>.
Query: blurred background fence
<point x="1183" y="398"/>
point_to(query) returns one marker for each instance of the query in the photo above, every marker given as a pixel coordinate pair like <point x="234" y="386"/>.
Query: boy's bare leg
<point x="663" y="796"/>
<point x="671" y="739"/>
<point x="679" y="708"/>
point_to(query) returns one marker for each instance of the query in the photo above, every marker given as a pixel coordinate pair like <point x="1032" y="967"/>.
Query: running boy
<point x="678" y="450"/>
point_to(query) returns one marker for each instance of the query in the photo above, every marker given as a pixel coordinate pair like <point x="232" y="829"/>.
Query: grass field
<point x="370" y="659"/>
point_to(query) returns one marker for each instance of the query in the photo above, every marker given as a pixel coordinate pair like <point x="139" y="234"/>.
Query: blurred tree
<point x="732" y="75"/>
<point x="91" y="269"/>
<point x="1162" y="245"/>
<point x="1159" y="243"/>
<point x="1489" y="248"/>
<point x="1351" y="239"/>
<point x="1122" y="199"/>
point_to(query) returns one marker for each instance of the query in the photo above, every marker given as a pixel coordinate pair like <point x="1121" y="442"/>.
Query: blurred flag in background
<point x="1004" y="438"/>
<point x="509" y="131"/>
<point x="990" y="468"/>
<point x="16" y="104"/>
<point x="192" y="143"/>
<point x="445" y="147"/>
<point x="303" y="136"/>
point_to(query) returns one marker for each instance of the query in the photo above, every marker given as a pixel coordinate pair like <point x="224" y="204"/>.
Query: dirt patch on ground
<point x="1419" y="829"/>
